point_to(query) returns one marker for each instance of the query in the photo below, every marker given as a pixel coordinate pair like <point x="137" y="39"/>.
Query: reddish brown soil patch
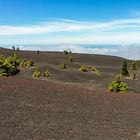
<point x="40" y="110"/>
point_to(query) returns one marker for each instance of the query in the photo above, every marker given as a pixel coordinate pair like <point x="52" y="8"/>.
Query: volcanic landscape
<point x="70" y="105"/>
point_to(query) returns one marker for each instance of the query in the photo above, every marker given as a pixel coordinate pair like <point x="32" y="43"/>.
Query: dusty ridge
<point x="71" y="105"/>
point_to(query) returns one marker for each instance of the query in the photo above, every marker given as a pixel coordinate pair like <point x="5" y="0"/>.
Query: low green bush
<point x="117" y="85"/>
<point x="24" y="63"/>
<point x="94" y="69"/>
<point x="3" y="74"/>
<point x="63" y="66"/>
<point x="31" y="63"/>
<point x="46" y="74"/>
<point x="83" y="69"/>
<point x="9" y="66"/>
<point x="134" y="65"/>
<point x="36" y="73"/>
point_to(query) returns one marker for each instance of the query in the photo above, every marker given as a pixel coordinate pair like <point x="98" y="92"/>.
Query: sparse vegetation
<point x="9" y="66"/>
<point x="36" y="73"/>
<point x="24" y="63"/>
<point x="3" y="74"/>
<point x="134" y="65"/>
<point x="83" y="69"/>
<point x="63" y="66"/>
<point x="117" y="85"/>
<point x="46" y="74"/>
<point x="31" y="63"/>
<point x="94" y="69"/>
<point x="124" y="70"/>
<point x="133" y="70"/>
<point x="17" y="49"/>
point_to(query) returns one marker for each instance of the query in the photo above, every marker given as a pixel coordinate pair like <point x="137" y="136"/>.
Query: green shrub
<point x="36" y="73"/>
<point x="15" y="60"/>
<point x="134" y="65"/>
<point x="83" y="69"/>
<point x="17" y="49"/>
<point x="94" y="69"/>
<point x="133" y="70"/>
<point x="2" y="59"/>
<point x="117" y="85"/>
<point x="31" y="63"/>
<point x="3" y="74"/>
<point x="124" y="70"/>
<point x="63" y="66"/>
<point x="24" y="63"/>
<point x="9" y="66"/>
<point x="46" y="74"/>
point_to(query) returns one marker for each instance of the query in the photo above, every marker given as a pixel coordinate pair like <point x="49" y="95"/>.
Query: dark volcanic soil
<point x="40" y="110"/>
<point x="71" y="105"/>
<point x="109" y="67"/>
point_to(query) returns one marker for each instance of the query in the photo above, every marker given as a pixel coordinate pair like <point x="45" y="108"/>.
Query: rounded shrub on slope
<point x="31" y="63"/>
<point x="36" y="73"/>
<point x="24" y="63"/>
<point x="9" y="66"/>
<point x="117" y="85"/>
<point x="63" y="66"/>
<point x="94" y="69"/>
<point x="46" y="74"/>
<point x="133" y="65"/>
<point x="83" y="69"/>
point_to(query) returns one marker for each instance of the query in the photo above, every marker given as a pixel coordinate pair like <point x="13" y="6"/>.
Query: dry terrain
<point x="70" y="105"/>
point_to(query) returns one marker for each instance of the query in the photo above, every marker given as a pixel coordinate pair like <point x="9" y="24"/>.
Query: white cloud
<point x="67" y="25"/>
<point x="126" y="51"/>
<point x="66" y="31"/>
<point x="123" y="31"/>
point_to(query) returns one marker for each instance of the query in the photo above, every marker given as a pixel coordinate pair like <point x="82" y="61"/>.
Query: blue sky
<point x="21" y="12"/>
<point x="76" y="22"/>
